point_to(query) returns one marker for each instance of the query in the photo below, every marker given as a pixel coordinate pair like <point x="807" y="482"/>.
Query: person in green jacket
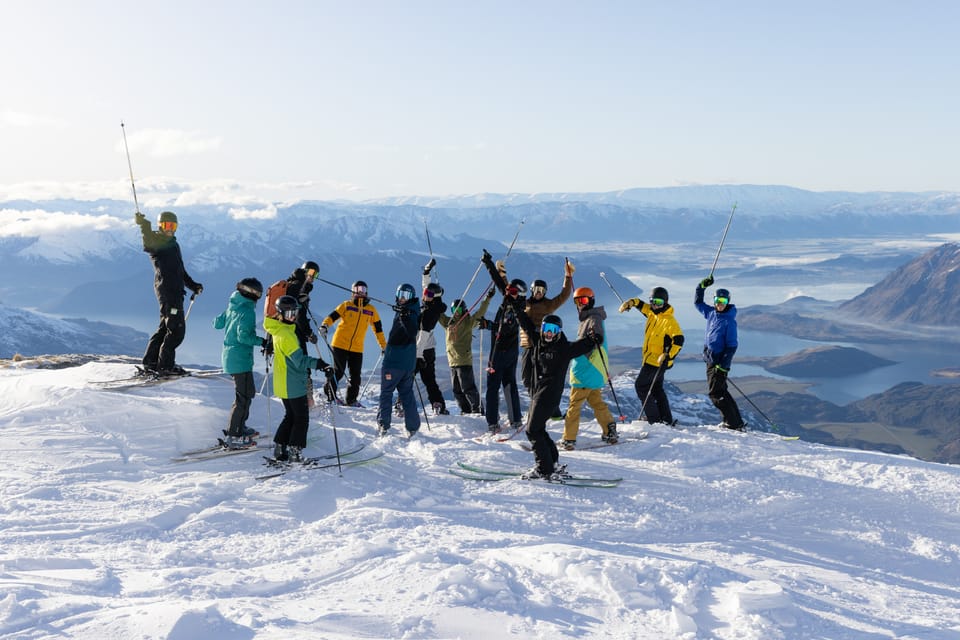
<point x="459" y="328"/>
<point x="239" y="323"/>
<point x="290" y="371"/>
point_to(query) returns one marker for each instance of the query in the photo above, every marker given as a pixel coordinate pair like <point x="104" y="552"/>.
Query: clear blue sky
<point x="368" y="99"/>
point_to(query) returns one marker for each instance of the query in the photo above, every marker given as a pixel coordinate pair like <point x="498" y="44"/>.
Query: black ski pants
<point x="344" y="360"/>
<point x="244" y="390"/>
<point x="296" y="420"/>
<point x="721" y="398"/>
<point x="465" y="388"/>
<point x="502" y="373"/>
<point x="544" y="448"/>
<point x="427" y="369"/>
<point x="650" y="381"/>
<point x="162" y="346"/>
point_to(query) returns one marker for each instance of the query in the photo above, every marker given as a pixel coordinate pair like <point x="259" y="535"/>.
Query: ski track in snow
<point x="712" y="534"/>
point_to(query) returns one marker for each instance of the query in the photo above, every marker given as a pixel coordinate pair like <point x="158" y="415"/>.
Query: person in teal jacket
<point x="291" y="366"/>
<point x="239" y="323"/>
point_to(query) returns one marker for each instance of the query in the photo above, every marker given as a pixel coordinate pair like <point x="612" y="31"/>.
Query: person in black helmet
<point x="505" y="350"/>
<point x="538" y="306"/>
<point x="239" y="324"/>
<point x="400" y="362"/>
<point x="719" y="347"/>
<point x="551" y="356"/>
<point x="431" y="308"/>
<point x="170" y="279"/>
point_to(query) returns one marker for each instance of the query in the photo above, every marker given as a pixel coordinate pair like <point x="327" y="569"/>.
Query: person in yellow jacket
<point x="291" y="367"/>
<point x="355" y="316"/>
<point x="662" y="341"/>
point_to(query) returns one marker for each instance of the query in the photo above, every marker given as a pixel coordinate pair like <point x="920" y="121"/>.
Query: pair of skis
<point x="318" y="462"/>
<point x="491" y="474"/>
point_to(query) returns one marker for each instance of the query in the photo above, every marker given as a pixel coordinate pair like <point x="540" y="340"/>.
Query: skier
<point x="551" y="357"/>
<point x="719" y="347"/>
<point x="504" y="352"/>
<point x="290" y="371"/>
<point x="431" y="309"/>
<point x="170" y="279"/>
<point x="588" y="376"/>
<point x="355" y="315"/>
<point x="299" y="286"/>
<point x="400" y="362"/>
<point x="460" y="351"/>
<point x="662" y="341"/>
<point x="239" y="323"/>
<point x="538" y="306"/>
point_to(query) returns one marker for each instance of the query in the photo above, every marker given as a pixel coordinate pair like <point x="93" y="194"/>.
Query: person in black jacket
<point x="505" y="349"/>
<point x="169" y="281"/>
<point x="550" y="358"/>
<point x="431" y="309"/>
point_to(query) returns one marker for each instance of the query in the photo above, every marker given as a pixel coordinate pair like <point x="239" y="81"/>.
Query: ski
<point x="273" y="462"/>
<point x="513" y="473"/>
<point x="496" y="437"/>
<point x="573" y="481"/>
<point x="287" y="467"/>
<point x="219" y="451"/>
<point x="643" y="435"/>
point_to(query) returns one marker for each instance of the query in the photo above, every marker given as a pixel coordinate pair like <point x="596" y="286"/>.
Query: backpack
<point x="277" y="289"/>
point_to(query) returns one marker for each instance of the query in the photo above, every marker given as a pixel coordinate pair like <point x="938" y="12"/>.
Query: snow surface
<point x="712" y="534"/>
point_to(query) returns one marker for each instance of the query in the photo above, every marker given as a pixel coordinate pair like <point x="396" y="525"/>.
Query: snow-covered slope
<point x="712" y="534"/>
<point x="31" y="334"/>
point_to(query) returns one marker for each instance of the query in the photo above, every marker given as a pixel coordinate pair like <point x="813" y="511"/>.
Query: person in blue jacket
<point x="239" y="324"/>
<point x="400" y="362"/>
<point x="719" y="346"/>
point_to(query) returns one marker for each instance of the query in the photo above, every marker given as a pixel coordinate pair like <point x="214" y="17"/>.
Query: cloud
<point x="25" y="120"/>
<point x="267" y="213"/>
<point x="36" y="223"/>
<point x="166" y="143"/>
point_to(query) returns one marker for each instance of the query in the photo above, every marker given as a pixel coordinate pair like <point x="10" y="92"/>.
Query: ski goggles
<point x="168" y="225"/>
<point x="721" y="300"/>
<point x="311" y="273"/>
<point x="657" y="302"/>
<point x="538" y="290"/>
<point x="428" y="294"/>
<point x="549" y="330"/>
<point x="359" y="291"/>
<point x="459" y="308"/>
<point x="404" y="295"/>
<point x="582" y="300"/>
<point x="290" y="314"/>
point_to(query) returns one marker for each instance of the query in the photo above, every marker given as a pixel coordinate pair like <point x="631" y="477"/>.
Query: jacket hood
<point x="238" y="301"/>
<point x="599" y="312"/>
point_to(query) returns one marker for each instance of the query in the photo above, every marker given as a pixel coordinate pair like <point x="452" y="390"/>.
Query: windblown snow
<point x="711" y="534"/>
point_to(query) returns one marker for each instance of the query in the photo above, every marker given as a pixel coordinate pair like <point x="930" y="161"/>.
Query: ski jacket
<point x="662" y="334"/>
<point x="355" y="317"/>
<point x="290" y="363"/>
<point x="720" y="342"/>
<point x="430" y="313"/>
<point x="589" y="371"/>
<point x="299" y="288"/>
<point x="460" y="334"/>
<point x="239" y="323"/>
<point x="170" y="276"/>
<point x="551" y="359"/>
<point x="401" y="350"/>
<point x="538" y="309"/>
<point x="505" y="328"/>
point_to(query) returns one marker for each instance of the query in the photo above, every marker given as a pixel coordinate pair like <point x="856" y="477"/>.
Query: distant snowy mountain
<point x="32" y="334"/>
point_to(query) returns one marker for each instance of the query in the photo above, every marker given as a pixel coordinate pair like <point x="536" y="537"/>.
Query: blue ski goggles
<point x="549" y="330"/>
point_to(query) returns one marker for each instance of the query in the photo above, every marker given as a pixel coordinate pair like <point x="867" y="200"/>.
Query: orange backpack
<point x="276" y="290"/>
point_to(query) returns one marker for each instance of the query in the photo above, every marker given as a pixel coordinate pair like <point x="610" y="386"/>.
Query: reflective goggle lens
<point x="512" y="291"/>
<point x="549" y="328"/>
<point x="427" y="294"/>
<point x="657" y="302"/>
<point x="459" y="308"/>
<point x="403" y="294"/>
<point x="359" y="291"/>
<point x="311" y="273"/>
<point x="168" y="225"/>
<point x="719" y="300"/>
<point x="582" y="300"/>
<point x="539" y="291"/>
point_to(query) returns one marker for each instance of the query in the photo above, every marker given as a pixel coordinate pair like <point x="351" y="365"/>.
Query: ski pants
<point x="544" y="448"/>
<point x="527" y="376"/>
<point x="503" y="374"/>
<point x="244" y="390"/>
<point x="427" y="368"/>
<point x="344" y="360"/>
<point x="465" y="388"/>
<point x="650" y="381"/>
<point x="162" y="346"/>
<point x="721" y="398"/>
<point x="296" y="420"/>
<point x="401" y="381"/>
<point x="593" y="397"/>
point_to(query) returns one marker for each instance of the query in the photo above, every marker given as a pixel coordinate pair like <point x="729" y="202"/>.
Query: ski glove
<point x="197" y="290"/>
<point x="721" y="369"/>
<point x="492" y="291"/>
<point x="706" y="282"/>
<point x="312" y="338"/>
<point x="568" y="269"/>
<point x="629" y="304"/>
<point x="487" y="258"/>
<point x="430" y="265"/>
<point x="323" y="331"/>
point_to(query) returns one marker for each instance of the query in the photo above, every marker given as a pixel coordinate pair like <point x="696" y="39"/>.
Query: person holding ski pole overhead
<point x="720" y="344"/>
<point x="355" y="316"/>
<point x="169" y="280"/>
<point x="538" y="306"/>
<point x="504" y="352"/>
<point x="662" y="341"/>
<point x="431" y="309"/>
<point x="588" y="376"/>
<point x="459" y="329"/>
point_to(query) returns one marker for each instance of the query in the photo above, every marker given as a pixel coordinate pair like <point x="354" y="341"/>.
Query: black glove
<point x="483" y="323"/>
<point x="197" y="290"/>
<point x="430" y="265"/>
<point x="487" y="258"/>
<point x="312" y="338"/>
<point x="421" y="364"/>
<point x="264" y="343"/>
<point x="492" y="291"/>
<point x="328" y="371"/>
<point x="140" y="217"/>
<point x="706" y="282"/>
<point x="597" y="338"/>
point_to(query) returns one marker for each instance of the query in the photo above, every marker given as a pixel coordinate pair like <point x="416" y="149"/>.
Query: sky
<point x="296" y="100"/>
<point x="711" y="534"/>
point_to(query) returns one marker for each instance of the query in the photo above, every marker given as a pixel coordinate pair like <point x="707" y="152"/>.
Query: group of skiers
<point x="525" y="320"/>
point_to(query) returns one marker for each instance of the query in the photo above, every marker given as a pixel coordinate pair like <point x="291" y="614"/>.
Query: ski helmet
<point x="359" y="289"/>
<point x="519" y="285"/>
<point x="722" y="293"/>
<point x="433" y="290"/>
<point x="583" y="297"/>
<point x="250" y="288"/>
<point x="661" y="293"/>
<point x="167" y="216"/>
<point x="405" y="293"/>
<point x="287" y="307"/>
<point x="311" y="269"/>
<point x="551" y="325"/>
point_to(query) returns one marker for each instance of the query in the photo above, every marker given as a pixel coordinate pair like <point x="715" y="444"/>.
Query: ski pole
<point x="653" y="383"/>
<point x="773" y="424"/>
<point x="604" y="277"/>
<point x="340" y="286"/>
<point x="722" y="239"/>
<point x="130" y="166"/>
<point x="363" y="391"/>
<point x="477" y="272"/>
<point x="266" y="378"/>
<point x="422" y="404"/>
<point x="606" y="372"/>
<point x="430" y="247"/>
<point x="189" y="307"/>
